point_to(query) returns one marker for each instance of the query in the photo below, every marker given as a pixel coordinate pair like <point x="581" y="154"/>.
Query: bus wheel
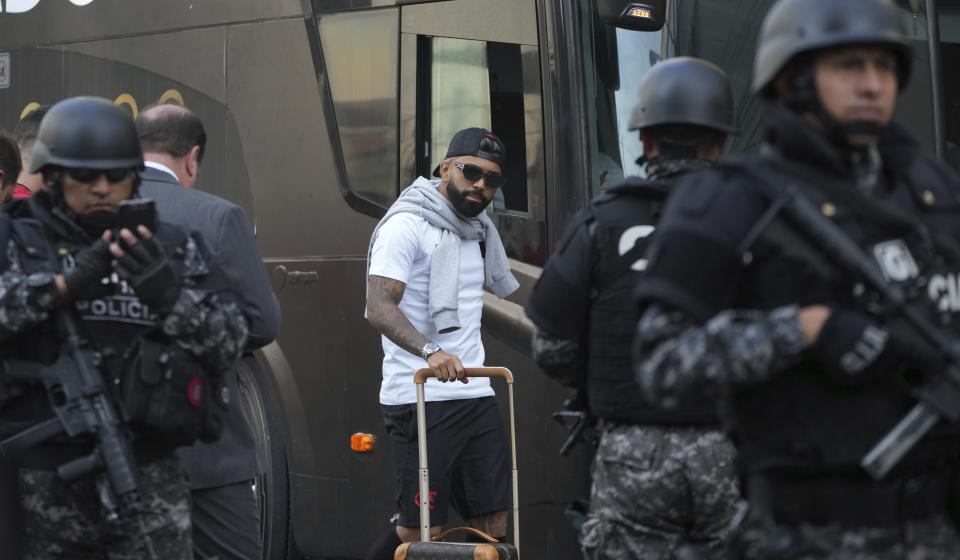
<point x="260" y="408"/>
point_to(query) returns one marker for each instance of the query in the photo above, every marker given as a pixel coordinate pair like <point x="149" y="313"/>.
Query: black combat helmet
<point x="685" y="90"/>
<point x="794" y="27"/>
<point x="89" y="133"/>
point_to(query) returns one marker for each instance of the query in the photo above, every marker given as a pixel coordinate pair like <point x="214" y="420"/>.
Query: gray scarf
<point x="424" y="200"/>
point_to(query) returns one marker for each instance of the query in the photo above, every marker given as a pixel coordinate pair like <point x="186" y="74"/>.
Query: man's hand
<point x="85" y="281"/>
<point x="447" y="367"/>
<point x="812" y="319"/>
<point x="146" y="266"/>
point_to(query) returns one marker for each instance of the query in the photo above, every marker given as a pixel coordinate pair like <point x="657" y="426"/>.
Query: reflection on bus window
<point x="615" y="62"/>
<point x="363" y="69"/>
<point x="477" y="83"/>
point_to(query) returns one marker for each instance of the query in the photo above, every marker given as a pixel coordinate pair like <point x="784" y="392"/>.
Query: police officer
<point x="740" y="301"/>
<point x="662" y="479"/>
<point x="145" y="301"/>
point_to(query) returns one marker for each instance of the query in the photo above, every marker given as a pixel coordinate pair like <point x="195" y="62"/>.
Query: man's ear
<point x="192" y="162"/>
<point x="783" y="86"/>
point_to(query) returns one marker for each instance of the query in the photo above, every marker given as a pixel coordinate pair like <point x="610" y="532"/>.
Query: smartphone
<point x="137" y="211"/>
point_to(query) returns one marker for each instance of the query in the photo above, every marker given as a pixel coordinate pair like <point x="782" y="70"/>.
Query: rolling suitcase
<point x="427" y="549"/>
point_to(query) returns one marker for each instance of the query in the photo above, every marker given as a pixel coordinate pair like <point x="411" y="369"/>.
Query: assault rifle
<point x="937" y="398"/>
<point x="576" y="418"/>
<point x="79" y="397"/>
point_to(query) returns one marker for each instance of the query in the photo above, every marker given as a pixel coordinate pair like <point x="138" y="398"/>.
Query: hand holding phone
<point x="137" y="211"/>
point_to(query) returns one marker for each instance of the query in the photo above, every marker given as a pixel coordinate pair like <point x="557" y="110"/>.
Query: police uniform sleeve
<point x="675" y="357"/>
<point x="25" y="299"/>
<point x="206" y="320"/>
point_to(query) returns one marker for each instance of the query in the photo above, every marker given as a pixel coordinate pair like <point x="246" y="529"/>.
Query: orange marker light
<point x="362" y="443"/>
<point x="640" y="12"/>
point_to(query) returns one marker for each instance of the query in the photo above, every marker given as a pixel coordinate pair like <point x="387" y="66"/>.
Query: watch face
<point x="429" y="348"/>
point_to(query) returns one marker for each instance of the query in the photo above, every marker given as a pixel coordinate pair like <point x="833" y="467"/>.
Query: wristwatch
<point x="429" y="349"/>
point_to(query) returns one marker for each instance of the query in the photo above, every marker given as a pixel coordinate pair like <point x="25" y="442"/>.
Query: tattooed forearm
<point x="383" y="295"/>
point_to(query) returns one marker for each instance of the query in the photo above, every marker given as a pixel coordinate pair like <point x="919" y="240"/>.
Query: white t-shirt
<point x="402" y="251"/>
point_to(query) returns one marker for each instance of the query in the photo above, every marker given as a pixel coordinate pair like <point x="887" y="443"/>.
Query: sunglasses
<point x="91" y="175"/>
<point x="475" y="173"/>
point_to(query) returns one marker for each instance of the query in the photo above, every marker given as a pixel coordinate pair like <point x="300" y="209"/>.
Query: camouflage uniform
<point x="663" y="480"/>
<point x="656" y="489"/>
<point x="66" y="520"/>
<point x="930" y="539"/>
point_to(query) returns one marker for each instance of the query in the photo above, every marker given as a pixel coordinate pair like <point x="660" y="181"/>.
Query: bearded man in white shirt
<point x="430" y="258"/>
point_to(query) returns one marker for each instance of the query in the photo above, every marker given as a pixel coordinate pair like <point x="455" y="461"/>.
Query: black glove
<point x="85" y="281"/>
<point x="146" y="266"/>
<point x="854" y="346"/>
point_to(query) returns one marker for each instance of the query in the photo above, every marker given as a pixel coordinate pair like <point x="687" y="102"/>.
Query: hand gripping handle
<point x="423" y="374"/>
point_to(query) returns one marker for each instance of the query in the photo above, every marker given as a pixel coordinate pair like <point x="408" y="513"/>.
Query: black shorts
<point x="468" y="459"/>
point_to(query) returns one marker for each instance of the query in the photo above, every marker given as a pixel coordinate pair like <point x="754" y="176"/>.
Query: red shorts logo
<point x="195" y="391"/>
<point x="433" y="498"/>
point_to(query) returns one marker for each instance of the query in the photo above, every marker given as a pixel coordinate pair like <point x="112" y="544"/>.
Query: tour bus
<point x="319" y="112"/>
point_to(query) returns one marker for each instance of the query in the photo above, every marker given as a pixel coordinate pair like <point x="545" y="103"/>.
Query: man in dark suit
<point x="226" y="515"/>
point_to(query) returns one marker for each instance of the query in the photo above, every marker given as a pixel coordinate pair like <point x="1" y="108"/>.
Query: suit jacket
<point x="224" y="227"/>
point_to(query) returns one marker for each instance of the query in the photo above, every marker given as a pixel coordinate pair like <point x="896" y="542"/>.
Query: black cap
<point x="478" y="142"/>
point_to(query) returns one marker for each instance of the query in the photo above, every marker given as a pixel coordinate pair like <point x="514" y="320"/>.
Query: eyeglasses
<point x="475" y="173"/>
<point x="91" y="175"/>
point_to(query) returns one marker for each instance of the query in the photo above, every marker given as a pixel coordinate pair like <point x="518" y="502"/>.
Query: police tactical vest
<point x="805" y="419"/>
<point x="623" y="226"/>
<point x="167" y="396"/>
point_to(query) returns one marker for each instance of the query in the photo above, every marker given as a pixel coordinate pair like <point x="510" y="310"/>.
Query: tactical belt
<point x="850" y="501"/>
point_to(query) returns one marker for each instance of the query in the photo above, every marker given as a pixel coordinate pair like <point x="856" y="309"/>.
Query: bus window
<point x="477" y="83"/>
<point x="614" y="64"/>
<point x="363" y="68"/>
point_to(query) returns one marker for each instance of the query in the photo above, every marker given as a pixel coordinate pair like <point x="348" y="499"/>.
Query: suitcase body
<point x="436" y="549"/>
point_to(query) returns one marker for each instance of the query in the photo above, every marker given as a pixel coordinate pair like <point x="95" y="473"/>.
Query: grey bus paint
<point x="253" y="72"/>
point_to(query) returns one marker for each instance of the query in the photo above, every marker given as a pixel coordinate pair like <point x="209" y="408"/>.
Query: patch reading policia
<point x="478" y="142"/>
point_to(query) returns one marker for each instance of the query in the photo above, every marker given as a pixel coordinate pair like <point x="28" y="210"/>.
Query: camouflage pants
<point x="931" y="539"/>
<point x="659" y="490"/>
<point x="66" y="520"/>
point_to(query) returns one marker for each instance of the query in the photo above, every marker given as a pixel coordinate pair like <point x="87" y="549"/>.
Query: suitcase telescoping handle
<point x="419" y="378"/>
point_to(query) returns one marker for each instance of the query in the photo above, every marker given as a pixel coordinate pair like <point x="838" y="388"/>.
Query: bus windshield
<point x="615" y="61"/>
<point x="723" y="32"/>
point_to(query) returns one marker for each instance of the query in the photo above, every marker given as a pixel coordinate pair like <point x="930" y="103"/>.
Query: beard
<point x="463" y="205"/>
